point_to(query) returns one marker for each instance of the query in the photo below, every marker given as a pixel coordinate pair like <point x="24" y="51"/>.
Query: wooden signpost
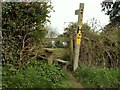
<point x="78" y="35"/>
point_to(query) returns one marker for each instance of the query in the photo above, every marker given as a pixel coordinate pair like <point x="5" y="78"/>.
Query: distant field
<point x="58" y="52"/>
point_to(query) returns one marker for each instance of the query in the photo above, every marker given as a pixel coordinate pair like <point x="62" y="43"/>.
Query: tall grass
<point x="98" y="77"/>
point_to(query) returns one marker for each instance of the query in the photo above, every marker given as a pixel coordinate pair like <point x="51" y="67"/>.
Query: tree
<point x="95" y="25"/>
<point x="22" y="30"/>
<point x="113" y="10"/>
<point x="51" y="33"/>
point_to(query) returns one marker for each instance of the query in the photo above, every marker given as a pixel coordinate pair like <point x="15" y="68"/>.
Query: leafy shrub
<point x="23" y="28"/>
<point x="98" y="77"/>
<point x="66" y="57"/>
<point x="37" y="75"/>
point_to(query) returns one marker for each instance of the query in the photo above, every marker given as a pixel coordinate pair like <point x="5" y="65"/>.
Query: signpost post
<point x="78" y="35"/>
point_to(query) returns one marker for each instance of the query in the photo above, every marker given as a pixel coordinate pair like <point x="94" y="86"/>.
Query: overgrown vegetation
<point x="99" y="53"/>
<point x="99" y="48"/>
<point x="23" y="31"/>
<point x="36" y="75"/>
<point x="98" y="77"/>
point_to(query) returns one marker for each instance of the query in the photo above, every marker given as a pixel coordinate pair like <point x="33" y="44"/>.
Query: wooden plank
<point x="62" y="61"/>
<point x="71" y="47"/>
<point x="56" y="50"/>
<point x="57" y="39"/>
<point x="48" y="49"/>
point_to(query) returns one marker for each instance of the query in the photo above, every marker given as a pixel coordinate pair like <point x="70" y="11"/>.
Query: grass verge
<point x="98" y="77"/>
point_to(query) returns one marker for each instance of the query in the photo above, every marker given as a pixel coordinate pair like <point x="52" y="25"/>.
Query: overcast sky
<point x="65" y="12"/>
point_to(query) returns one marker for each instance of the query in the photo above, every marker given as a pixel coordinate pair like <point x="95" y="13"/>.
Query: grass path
<point x="75" y="83"/>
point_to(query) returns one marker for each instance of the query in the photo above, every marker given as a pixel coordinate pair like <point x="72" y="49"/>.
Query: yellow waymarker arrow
<point x="79" y="35"/>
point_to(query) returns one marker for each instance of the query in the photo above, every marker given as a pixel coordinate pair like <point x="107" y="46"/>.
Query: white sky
<point x="65" y="12"/>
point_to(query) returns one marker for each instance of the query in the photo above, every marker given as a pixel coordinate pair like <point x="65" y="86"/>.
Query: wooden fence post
<point x="71" y="46"/>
